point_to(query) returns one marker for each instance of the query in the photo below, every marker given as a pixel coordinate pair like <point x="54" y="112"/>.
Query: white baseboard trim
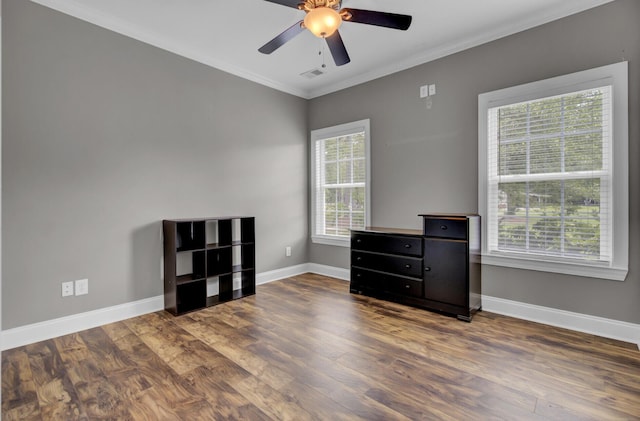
<point x="41" y="331"/>
<point x="24" y="335"/>
<point x="334" y="272"/>
<point x="36" y="332"/>
<point x="274" y="275"/>
<point x="600" y="326"/>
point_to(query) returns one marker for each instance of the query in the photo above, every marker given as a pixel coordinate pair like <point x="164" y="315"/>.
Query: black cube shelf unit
<point x="203" y="258"/>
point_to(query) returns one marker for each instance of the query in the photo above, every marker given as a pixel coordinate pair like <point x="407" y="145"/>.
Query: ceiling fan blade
<point x="337" y="48"/>
<point x="281" y="39"/>
<point x="289" y="3"/>
<point x="371" y="17"/>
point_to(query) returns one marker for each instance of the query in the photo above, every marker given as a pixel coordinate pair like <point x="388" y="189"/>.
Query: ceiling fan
<point x="324" y="17"/>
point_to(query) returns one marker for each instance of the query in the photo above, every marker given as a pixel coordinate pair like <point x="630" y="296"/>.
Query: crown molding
<point x="87" y="14"/>
<point x="431" y="54"/>
<point x="80" y="11"/>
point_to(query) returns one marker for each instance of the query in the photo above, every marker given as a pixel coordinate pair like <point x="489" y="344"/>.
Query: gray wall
<point x="104" y="136"/>
<point x="425" y="160"/>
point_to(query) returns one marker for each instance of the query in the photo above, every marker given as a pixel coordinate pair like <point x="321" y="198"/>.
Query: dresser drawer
<point x="403" y="286"/>
<point x="368" y="280"/>
<point x="402" y="265"/>
<point x="390" y="244"/>
<point x="363" y="280"/>
<point x="446" y="228"/>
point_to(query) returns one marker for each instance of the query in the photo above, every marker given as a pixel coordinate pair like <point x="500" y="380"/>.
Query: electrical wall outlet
<point x="67" y="288"/>
<point x="82" y="286"/>
<point x="287" y="251"/>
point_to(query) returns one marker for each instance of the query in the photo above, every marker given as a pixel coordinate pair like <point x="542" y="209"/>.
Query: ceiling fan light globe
<point x="322" y="21"/>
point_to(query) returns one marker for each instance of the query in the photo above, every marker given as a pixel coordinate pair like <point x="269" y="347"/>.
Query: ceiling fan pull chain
<point x="321" y="52"/>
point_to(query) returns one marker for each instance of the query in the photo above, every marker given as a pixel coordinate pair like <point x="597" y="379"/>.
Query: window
<point x="553" y="182"/>
<point x="339" y="182"/>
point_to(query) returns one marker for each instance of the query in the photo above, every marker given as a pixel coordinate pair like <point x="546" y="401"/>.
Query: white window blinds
<point x="549" y="175"/>
<point x="340" y="174"/>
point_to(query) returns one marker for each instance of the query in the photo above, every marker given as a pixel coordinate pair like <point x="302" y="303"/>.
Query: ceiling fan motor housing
<point x="309" y="5"/>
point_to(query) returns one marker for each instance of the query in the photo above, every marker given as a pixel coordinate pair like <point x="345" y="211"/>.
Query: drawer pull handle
<point x="407" y="286"/>
<point x="443" y="227"/>
<point x="358" y="275"/>
<point x="358" y="258"/>
<point x="427" y="269"/>
<point x="358" y="241"/>
<point x="407" y="266"/>
<point x="407" y="246"/>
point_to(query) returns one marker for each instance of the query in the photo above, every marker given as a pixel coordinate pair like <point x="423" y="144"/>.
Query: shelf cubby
<point x="247" y="231"/>
<point x="226" y="287"/>
<point x="224" y="232"/>
<point x="243" y="257"/>
<point x="190" y="235"/>
<point x="247" y="283"/>
<point x="191" y="296"/>
<point x="218" y="261"/>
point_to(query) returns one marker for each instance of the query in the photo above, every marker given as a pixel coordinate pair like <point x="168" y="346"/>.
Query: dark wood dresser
<point x="437" y="268"/>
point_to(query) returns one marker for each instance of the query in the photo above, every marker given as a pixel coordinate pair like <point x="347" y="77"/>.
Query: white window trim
<point x="615" y="75"/>
<point x="329" y="132"/>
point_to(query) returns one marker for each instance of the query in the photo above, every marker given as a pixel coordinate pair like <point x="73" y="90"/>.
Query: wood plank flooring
<point x="305" y="349"/>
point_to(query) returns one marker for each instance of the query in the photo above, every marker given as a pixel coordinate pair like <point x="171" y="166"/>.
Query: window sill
<point x="332" y="241"/>
<point x="591" y="271"/>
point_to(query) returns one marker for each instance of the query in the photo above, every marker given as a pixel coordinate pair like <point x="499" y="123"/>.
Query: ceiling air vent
<point x="312" y="73"/>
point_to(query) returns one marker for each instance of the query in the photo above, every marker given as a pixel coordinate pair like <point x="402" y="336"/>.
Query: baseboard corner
<point x="331" y="271"/>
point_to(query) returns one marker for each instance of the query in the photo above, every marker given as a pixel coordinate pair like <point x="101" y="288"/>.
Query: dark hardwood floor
<point x="304" y="348"/>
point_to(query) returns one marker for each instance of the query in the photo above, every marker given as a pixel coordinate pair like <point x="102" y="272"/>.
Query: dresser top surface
<point x="447" y="215"/>
<point x="386" y="230"/>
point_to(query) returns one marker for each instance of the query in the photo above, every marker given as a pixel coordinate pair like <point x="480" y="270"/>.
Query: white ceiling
<point x="227" y="34"/>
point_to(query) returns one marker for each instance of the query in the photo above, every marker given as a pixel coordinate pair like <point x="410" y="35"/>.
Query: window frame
<point x="327" y="133"/>
<point x="615" y="75"/>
